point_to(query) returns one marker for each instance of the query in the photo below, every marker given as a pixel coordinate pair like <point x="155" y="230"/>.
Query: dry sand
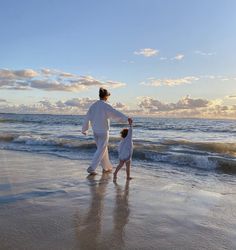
<point x="49" y="203"/>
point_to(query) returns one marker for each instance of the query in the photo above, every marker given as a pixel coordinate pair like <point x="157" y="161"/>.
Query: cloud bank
<point x="146" y="106"/>
<point x="187" y="107"/>
<point x="50" y="80"/>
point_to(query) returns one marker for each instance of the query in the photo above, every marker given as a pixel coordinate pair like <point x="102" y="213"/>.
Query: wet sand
<point x="48" y="202"/>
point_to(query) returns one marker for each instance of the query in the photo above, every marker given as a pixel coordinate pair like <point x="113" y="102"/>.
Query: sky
<point x="157" y="57"/>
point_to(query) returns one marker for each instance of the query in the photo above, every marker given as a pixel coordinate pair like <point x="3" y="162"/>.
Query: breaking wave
<point x="198" y="155"/>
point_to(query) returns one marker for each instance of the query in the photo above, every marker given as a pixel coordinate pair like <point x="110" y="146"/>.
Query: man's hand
<point x="84" y="133"/>
<point x="130" y="120"/>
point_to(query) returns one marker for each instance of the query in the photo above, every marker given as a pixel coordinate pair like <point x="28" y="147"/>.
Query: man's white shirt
<point x="99" y="115"/>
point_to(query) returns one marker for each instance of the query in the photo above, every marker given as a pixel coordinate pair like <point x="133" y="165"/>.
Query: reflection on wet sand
<point x="120" y="214"/>
<point x="89" y="225"/>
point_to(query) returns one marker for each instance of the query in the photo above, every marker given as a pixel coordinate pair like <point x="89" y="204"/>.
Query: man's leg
<point x="105" y="162"/>
<point x="101" y="140"/>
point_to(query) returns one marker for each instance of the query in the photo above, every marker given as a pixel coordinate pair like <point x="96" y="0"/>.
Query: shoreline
<point x="49" y="203"/>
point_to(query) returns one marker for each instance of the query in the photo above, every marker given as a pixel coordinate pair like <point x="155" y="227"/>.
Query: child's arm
<point x="130" y="133"/>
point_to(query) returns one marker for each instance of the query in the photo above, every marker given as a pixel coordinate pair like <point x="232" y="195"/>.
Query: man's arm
<point x="115" y="114"/>
<point x="86" y="123"/>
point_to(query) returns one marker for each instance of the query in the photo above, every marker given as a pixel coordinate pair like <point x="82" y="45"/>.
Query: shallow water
<point x="192" y="145"/>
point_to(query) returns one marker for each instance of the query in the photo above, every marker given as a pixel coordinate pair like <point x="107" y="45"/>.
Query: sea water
<point x="196" y="146"/>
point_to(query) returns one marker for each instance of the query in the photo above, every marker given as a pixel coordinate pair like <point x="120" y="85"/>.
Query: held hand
<point x="84" y="133"/>
<point x="130" y="120"/>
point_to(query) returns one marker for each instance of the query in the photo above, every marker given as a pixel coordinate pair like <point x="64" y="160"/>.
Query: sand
<point x="48" y="202"/>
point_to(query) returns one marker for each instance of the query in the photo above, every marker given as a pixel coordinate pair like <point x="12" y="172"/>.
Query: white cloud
<point x="82" y="104"/>
<point x="170" y="82"/>
<point x="155" y="82"/>
<point x="187" y="107"/>
<point x="178" y="57"/>
<point x="17" y="74"/>
<point x="50" y="80"/>
<point x="153" y="105"/>
<point x="128" y="61"/>
<point x="120" y="106"/>
<point x="222" y="78"/>
<point x="199" y="52"/>
<point x="147" y="52"/>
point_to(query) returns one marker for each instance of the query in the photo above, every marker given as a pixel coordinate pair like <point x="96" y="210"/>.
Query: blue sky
<point x="104" y="39"/>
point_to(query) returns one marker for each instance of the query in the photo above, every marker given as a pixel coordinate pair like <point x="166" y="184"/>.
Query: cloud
<point x="170" y="82"/>
<point x="128" y="61"/>
<point x="153" y="105"/>
<point x="3" y="100"/>
<point x="199" y="52"/>
<point x="82" y="104"/>
<point x="147" y="106"/>
<point x="147" y="52"/>
<point x="53" y="85"/>
<point x="50" y="80"/>
<point x="189" y="103"/>
<point x="17" y="74"/>
<point x="187" y="107"/>
<point x="222" y="78"/>
<point x="154" y="82"/>
<point x="70" y="106"/>
<point x="178" y="57"/>
<point x="120" y="106"/>
<point x="231" y="96"/>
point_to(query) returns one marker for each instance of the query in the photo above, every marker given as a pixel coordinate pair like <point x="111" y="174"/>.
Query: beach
<point x="49" y="202"/>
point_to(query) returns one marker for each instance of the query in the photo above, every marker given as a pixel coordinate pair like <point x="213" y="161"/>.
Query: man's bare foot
<point x="106" y="171"/>
<point x="92" y="173"/>
<point x="129" y="178"/>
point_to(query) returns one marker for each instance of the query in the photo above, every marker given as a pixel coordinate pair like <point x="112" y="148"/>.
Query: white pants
<point x="101" y="154"/>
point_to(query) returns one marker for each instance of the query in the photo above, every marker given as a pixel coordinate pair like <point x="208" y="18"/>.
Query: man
<point x="99" y="115"/>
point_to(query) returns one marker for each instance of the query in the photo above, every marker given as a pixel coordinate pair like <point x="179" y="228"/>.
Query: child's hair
<point x="124" y="132"/>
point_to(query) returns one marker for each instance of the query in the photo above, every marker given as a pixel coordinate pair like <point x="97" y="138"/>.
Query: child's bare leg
<point x="117" y="169"/>
<point x="128" y="163"/>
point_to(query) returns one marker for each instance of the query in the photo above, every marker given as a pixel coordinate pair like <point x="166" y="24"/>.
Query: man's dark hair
<point x="124" y="132"/>
<point x="103" y="93"/>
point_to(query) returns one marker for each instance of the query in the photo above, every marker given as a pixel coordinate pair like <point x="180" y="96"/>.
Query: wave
<point x="214" y="147"/>
<point x="37" y="140"/>
<point x="196" y="155"/>
<point x="140" y="145"/>
<point x="42" y="119"/>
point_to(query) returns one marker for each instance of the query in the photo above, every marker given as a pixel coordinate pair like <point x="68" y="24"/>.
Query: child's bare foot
<point x="129" y="178"/>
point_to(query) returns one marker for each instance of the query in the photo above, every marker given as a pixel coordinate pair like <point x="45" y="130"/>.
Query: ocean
<point x="191" y="146"/>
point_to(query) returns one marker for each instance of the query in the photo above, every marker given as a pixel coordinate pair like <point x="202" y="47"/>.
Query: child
<point x="125" y="151"/>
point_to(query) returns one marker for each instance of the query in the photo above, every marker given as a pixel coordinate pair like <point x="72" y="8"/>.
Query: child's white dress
<point x="125" y="148"/>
